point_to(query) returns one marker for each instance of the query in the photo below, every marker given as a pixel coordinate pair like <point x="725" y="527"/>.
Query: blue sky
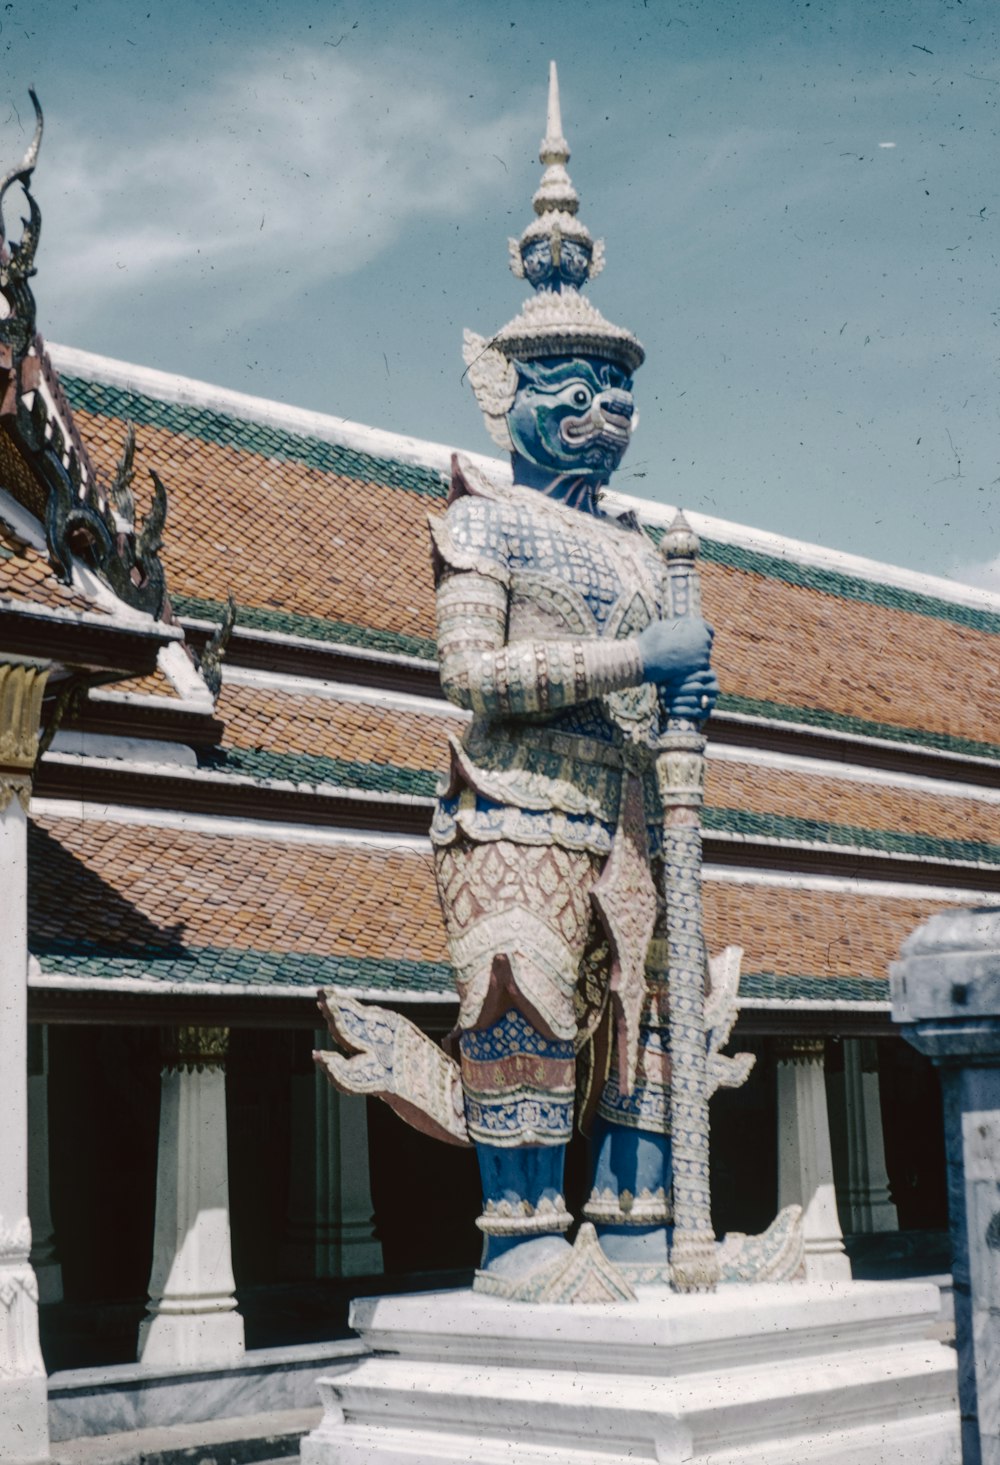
<point x="309" y="201"/>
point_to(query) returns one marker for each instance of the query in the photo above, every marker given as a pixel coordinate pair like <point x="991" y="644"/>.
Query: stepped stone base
<point x="795" y="1374"/>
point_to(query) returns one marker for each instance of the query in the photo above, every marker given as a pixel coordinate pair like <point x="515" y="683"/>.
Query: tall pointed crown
<point x="556" y="204"/>
<point x="556" y="255"/>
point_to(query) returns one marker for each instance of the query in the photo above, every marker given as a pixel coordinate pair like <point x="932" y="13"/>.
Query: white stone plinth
<point x="793" y="1374"/>
<point x="805" y="1158"/>
<point x="191" y="1314"/>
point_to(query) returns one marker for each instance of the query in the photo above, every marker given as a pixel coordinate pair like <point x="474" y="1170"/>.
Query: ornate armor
<point x="576" y="649"/>
<point x="539" y="606"/>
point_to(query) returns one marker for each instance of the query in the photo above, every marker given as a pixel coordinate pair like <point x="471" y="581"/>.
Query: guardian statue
<point x="565" y="837"/>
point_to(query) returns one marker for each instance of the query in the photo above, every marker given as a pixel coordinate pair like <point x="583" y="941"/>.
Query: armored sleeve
<point x="480" y="670"/>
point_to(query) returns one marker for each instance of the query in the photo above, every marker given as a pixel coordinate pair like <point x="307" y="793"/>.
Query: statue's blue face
<point x="572" y="416"/>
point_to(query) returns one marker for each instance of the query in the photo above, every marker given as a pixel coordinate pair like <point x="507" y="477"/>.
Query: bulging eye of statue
<point x="581" y="397"/>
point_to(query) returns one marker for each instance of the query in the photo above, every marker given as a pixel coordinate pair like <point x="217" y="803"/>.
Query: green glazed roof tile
<point x="860" y="726"/>
<point x="304" y="768"/>
<point x="242" y="968"/>
<point x="817" y="831"/>
<point x="841" y="585"/>
<point x="811" y="989"/>
<point x="91" y="965"/>
<point x="253" y="437"/>
<point x="310" y="628"/>
<point x="286" y="446"/>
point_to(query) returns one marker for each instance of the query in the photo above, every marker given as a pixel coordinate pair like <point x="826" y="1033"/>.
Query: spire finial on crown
<point x="556" y="250"/>
<point x="556" y="193"/>
<point x="553" y="148"/>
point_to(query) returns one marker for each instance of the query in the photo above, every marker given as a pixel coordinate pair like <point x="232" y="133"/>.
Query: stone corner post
<point x="805" y="1158"/>
<point x="191" y="1315"/>
<point x="24" y="1428"/>
<point x="44" y="1256"/>
<point x="946" y="995"/>
<point x="863" y="1194"/>
<point x="329" y="1230"/>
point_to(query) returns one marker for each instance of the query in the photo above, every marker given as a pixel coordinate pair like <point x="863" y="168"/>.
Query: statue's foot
<point x="522" y="1256"/>
<point x="548" y="1269"/>
<point x="641" y="1253"/>
<point x="776" y="1255"/>
<point x="647" y="1271"/>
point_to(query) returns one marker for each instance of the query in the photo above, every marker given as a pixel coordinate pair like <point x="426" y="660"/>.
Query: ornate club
<point x="680" y="770"/>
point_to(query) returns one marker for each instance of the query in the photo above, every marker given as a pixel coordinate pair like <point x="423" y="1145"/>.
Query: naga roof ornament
<point x="44" y="462"/>
<point x="557" y="256"/>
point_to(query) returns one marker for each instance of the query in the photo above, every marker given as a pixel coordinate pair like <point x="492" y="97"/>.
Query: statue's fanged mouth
<point x="616" y="425"/>
<point x="599" y="422"/>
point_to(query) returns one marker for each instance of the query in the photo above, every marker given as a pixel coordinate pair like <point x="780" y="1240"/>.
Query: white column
<point x="44" y="1259"/>
<point x="191" y="1314"/>
<point x="863" y="1192"/>
<point x="805" y="1161"/>
<point x="24" y="1420"/>
<point x="329" y="1232"/>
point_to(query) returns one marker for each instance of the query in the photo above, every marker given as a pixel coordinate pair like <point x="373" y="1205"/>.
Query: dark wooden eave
<point x="326" y="661"/>
<point x="805" y="742"/>
<point x="171" y="721"/>
<point x="89" y="1004"/>
<point x="88" y="644"/>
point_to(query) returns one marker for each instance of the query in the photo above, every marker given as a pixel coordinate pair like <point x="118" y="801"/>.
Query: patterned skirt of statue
<point x="560" y="958"/>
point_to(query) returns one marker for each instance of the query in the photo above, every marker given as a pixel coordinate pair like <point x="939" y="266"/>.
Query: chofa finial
<point x="17" y="257"/>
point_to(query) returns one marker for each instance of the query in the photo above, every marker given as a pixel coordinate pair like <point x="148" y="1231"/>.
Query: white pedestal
<point x="24" y="1421"/>
<point x="794" y="1374"/>
<point x="805" y="1160"/>
<point x="191" y="1314"/>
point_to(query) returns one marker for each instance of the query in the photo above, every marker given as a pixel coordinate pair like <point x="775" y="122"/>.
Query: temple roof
<point x="310" y="534"/>
<point x="27" y="578"/>
<point x="273" y="911"/>
<point x="853" y="782"/>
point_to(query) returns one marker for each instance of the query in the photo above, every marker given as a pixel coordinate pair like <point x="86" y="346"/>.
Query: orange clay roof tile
<point x="27" y="578"/>
<point x="98" y="890"/>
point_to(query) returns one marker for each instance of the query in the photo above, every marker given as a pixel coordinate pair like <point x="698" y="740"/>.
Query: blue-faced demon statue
<point x="558" y="839"/>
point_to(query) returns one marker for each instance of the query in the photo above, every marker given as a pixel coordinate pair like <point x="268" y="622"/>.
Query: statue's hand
<point x="694" y="697"/>
<point x="671" y="650"/>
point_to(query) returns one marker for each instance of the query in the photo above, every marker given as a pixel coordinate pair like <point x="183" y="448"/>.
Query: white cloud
<point x="984" y="574"/>
<point x="278" y="175"/>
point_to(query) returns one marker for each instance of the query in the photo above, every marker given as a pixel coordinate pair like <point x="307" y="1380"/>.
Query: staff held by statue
<point x="680" y="769"/>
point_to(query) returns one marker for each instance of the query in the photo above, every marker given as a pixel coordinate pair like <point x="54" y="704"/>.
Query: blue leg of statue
<point x="632" y="1170"/>
<point x="519" y="1097"/>
<point x="632" y="1163"/>
<point x="530" y="1176"/>
<point x="518" y="1087"/>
